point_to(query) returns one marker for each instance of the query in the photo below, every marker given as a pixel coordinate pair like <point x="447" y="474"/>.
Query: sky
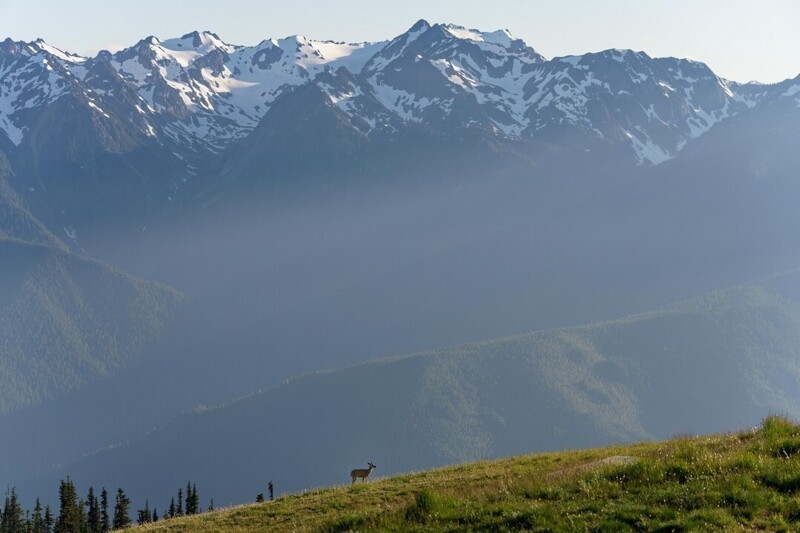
<point x="740" y="40"/>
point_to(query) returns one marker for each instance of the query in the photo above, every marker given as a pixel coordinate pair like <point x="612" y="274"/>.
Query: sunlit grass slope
<point x="747" y="480"/>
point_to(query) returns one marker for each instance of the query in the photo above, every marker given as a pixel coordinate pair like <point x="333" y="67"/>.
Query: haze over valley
<point x="236" y="264"/>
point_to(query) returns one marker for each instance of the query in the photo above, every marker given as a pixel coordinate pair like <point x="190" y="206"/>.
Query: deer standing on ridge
<point x="362" y="473"/>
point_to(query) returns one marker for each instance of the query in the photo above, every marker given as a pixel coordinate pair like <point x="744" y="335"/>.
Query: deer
<point x="362" y="473"/>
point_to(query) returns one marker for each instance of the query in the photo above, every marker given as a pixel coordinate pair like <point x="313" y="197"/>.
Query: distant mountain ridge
<point x="16" y="221"/>
<point x="713" y="362"/>
<point x="122" y="140"/>
<point x="202" y="93"/>
<point x="66" y="320"/>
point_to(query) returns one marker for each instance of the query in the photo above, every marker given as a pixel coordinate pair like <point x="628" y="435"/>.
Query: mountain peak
<point x="499" y="37"/>
<point x="9" y="46"/>
<point x="205" y="34"/>
<point x="420" y="25"/>
<point x="295" y="39"/>
<point x="623" y="55"/>
<point x="203" y="38"/>
<point x="39" y="45"/>
<point x="197" y="42"/>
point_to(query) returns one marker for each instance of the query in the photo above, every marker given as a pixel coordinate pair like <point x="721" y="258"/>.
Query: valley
<point x="437" y="248"/>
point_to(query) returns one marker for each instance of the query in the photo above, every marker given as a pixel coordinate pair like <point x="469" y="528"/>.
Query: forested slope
<point x="66" y="321"/>
<point x="719" y="361"/>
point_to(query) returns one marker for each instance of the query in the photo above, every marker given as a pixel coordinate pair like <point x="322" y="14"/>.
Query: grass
<point x="740" y="481"/>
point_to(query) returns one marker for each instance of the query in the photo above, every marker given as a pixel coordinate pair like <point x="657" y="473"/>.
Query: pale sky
<point x="740" y="40"/>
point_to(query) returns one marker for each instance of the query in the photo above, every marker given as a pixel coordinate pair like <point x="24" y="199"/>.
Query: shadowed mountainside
<point x="67" y="321"/>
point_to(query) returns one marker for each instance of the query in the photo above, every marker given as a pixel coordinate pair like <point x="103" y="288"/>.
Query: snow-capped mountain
<point x="431" y="73"/>
<point x="36" y="76"/>
<point x="213" y="92"/>
<point x="164" y="122"/>
<point x="32" y="76"/>
<point x="202" y="94"/>
<point x="622" y="96"/>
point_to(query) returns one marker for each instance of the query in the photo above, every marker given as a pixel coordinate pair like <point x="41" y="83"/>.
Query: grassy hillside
<point x="66" y="321"/>
<point x="720" y="361"/>
<point x="743" y="481"/>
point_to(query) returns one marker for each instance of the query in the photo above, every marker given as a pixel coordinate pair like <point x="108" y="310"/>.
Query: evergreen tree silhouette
<point x="93" y="512"/>
<point x="13" y="518"/>
<point x="143" y="515"/>
<point x="71" y="516"/>
<point x="121" y="518"/>
<point x="105" y="524"/>
<point x="37" y="520"/>
<point x="49" y="522"/>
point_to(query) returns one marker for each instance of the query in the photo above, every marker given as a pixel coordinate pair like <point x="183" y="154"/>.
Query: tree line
<point x="90" y="514"/>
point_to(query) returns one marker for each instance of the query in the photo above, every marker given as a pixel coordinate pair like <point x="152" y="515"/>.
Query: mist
<point x="338" y="254"/>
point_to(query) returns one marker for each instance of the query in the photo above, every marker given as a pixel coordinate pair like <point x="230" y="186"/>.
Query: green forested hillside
<point x="66" y="321"/>
<point x="16" y="222"/>
<point x="720" y="361"/>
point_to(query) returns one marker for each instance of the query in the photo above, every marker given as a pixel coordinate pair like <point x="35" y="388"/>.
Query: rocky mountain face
<point x="127" y="137"/>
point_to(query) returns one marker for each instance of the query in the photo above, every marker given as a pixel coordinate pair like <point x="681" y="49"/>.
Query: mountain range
<point x="160" y="125"/>
<point x="317" y="204"/>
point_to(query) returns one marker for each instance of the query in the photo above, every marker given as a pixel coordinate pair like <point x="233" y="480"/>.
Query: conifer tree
<point x="179" y="511"/>
<point x="49" y="522"/>
<point x="192" y="500"/>
<point x="37" y="520"/>
<point x="105" y="524"/>
<point x="143" y="515"/>
<point x="211" y="505"/>
<point x="189" y="509"/>
<point x="13" y="519"/>
<point x="155" y="515"/>
<point x="172" y="511"/>
<point x="121" y="518"/>
<point x="71" y="516"/>
<point x="93" y="512"/>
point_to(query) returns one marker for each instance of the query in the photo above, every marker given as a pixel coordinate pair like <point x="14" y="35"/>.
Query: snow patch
<point x="500" y="37"/>
<point x="404" y="104"/>
<point x="571" y="60"/>
<point x="647" y="151"/>
<point x="791" y="91"/>
<point x="60" y="54"/>
<point x="97" y="108"/>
